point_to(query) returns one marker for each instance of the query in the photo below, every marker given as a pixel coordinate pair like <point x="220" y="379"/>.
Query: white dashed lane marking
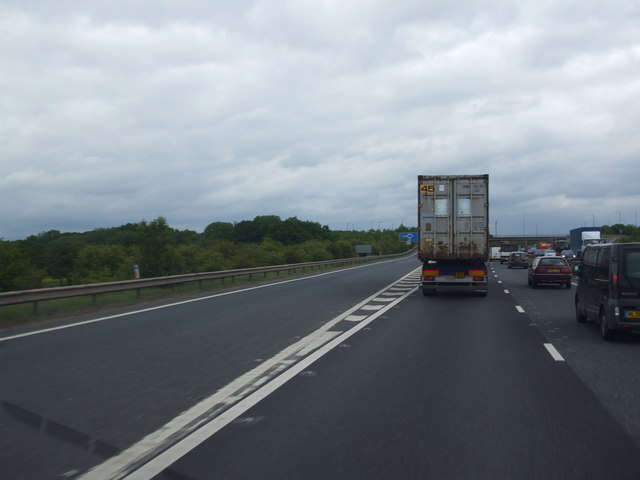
<point x="553" y="352"/>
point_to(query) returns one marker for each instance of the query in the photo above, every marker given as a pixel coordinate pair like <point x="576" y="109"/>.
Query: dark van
<point x="609" y="287"/>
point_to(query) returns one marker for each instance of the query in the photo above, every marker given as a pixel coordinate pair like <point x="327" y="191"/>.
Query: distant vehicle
<point x="580" y="238"/>
<point x="568" y="254"/>
<point x="609" y="287"/>
<point x="518" y="259"/>
<point x="495" y="253"/>
<point x="550" y="270"/>
<point x="549" y="253"/>
<point x="453" y="216"/>
<point x="561" y="245"/>
<point x="536" y="252"/>
<point x="506" y="249"/>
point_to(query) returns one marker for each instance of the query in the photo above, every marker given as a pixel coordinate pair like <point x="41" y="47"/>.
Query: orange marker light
<point x="431" y="273"/>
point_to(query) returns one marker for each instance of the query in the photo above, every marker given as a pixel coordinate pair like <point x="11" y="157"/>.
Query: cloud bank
<point x="114" y="112"/>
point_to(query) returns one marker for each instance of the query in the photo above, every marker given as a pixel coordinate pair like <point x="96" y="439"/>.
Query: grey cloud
<point x="323" y="110"/>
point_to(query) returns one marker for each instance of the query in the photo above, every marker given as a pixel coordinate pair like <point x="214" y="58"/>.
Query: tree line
<point x="53" y="258"/>
<point x="625" y="233"/>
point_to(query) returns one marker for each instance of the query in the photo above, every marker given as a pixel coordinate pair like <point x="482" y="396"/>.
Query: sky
<point x="115" y="112"/>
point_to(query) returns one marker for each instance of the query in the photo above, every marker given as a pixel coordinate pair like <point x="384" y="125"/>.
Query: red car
<point x="554" y="270"/>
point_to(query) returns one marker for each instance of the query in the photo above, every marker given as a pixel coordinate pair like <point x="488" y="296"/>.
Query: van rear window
<point x="631" y="266"/>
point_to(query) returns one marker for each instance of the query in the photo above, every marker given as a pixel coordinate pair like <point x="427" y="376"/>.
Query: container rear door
<point x="453" y="216"/>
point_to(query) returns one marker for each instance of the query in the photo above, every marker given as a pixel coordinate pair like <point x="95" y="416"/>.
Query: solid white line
<point x="195" y="425"/>
<point x="170" y="456"/>
<point x="554" y="353"/>
<point x="150" y="309"/>
<point x="519" y="308"/>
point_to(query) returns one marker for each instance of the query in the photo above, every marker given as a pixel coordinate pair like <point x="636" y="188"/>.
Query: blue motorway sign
<point x="409" y="237"/>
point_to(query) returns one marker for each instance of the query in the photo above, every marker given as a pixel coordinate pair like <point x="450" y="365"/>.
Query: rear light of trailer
<point x="477" y="273"/>
<point x="430" y="273"/>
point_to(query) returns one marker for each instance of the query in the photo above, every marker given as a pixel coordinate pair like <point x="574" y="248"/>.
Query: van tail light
<point x="614" y="282"/>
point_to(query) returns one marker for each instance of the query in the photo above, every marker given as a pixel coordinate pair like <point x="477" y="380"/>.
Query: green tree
<point x="341" y="249"/>
<point x="61" y="255"/>
<point x="291" y="232"/>
<point x="16" y="270"/>
<point x="254" y="231"/>
<point x="154" y="242"/>
<point x="219" y="231"/>
<point x="269" y="252"/>
<point x="103" y="263"/>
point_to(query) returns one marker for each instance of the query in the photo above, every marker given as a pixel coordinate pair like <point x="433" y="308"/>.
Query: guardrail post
<point x="94" y="299"/>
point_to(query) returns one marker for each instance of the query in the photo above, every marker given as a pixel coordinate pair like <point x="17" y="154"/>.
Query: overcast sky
<point x="114" y="111"/>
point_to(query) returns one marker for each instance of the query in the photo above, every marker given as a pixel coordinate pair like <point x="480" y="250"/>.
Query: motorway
<point x="346" y="374"/>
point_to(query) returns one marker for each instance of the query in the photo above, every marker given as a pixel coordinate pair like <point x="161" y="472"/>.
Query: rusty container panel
<point x="453" y="217"/>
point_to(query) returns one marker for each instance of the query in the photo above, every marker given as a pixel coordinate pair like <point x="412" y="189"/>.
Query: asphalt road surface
<point x="352" y="374"/>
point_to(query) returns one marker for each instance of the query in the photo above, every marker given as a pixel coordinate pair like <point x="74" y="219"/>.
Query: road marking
<point x="372" y="307"/>
<point x="356" y="318"/>
<point x="158" y="450"/>
<point x="554" y="353"/>
<point x="506" y="291"/>
<point x="159" y="307"/>
<point x="519" y="308"/>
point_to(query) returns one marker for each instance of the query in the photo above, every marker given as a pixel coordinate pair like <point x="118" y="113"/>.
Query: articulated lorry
<point x="453" y="231"/>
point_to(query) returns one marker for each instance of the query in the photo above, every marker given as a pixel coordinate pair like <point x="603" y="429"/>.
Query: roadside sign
<point x="409" y="237"/>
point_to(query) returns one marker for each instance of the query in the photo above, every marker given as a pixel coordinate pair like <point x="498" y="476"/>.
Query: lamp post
<point x="619" y="217"/>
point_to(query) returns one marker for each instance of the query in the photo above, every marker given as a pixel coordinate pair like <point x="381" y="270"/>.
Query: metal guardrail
<point x="41" y="294"/>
